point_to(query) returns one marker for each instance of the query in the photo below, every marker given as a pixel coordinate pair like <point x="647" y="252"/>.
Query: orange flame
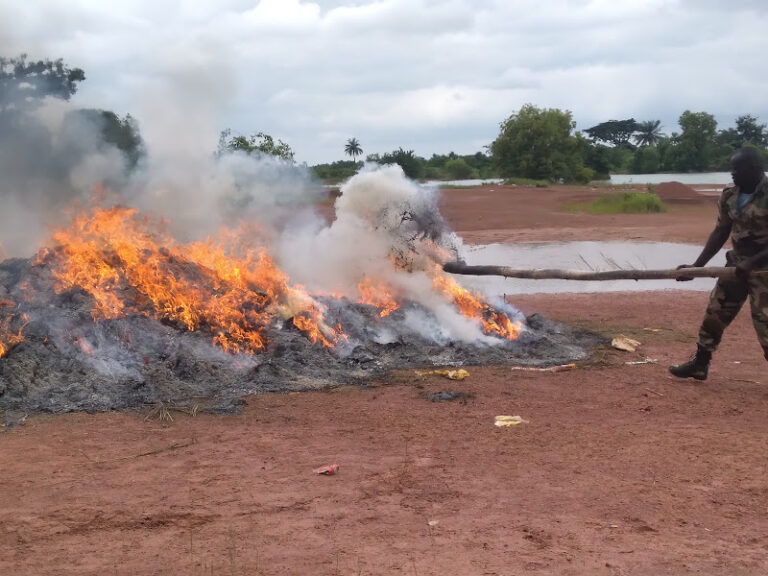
<point x="221" y="286"/>
<point x="378" y="296"/>
<point x="475" y="307"/>
<point x="127" y="268"/>
<point x="84" y="345"/>
<point x="8" y="337"/>
<point x="311" y="324"/>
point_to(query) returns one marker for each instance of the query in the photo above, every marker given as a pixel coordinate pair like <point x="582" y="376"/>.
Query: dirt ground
<point x="522" y="214"/>
<point x="620" y="469"/>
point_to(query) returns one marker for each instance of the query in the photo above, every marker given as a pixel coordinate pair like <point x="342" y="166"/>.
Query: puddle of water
<point x="595" y="256"/>
<point x="723" y="178"/>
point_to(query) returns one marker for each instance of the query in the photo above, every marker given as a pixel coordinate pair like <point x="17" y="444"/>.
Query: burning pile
<point x="112" y="255"/>
<point x="115" y="311"/>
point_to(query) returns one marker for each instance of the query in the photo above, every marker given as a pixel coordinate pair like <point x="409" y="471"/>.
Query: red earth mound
<point x="675" y="192"/>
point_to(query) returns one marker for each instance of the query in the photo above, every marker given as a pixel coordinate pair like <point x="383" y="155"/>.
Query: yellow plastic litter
<point x="625" y="343"/>
<point x="503" y="421"/>
<point x="459" y="374"/>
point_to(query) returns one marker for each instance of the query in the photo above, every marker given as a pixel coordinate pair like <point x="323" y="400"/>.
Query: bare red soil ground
<point x="522" y="214"/>
<point x="620" y="469"/>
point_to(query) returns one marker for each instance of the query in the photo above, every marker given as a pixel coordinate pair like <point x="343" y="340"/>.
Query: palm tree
<point x="353" y="148"/>
<point x="648" y="133"/>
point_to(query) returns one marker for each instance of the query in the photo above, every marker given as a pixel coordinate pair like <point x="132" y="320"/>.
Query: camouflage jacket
<point x="749" y="228"/>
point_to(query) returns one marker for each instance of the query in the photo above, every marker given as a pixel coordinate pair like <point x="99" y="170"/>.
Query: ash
<point x="68" y="362"/>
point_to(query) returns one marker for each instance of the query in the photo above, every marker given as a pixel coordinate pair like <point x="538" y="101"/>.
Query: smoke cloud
<point x="387" y="229"/>
<point x="50" y="159"/>
<point x="54" y="158"/>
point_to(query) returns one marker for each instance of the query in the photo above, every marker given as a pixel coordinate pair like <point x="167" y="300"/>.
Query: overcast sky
<point x="432" y="76"/>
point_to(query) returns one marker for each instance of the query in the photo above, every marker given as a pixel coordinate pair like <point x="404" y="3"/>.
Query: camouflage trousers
<point x="725" y="301"/>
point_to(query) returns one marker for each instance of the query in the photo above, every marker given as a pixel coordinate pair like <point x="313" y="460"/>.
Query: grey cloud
<point x="345" y="68"/>
<point x="728" y="7"/>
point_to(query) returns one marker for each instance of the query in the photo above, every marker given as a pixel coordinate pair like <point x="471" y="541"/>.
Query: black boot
<point x="697" y="367"/>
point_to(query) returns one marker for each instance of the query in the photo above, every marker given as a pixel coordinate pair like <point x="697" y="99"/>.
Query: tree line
<point x="532" y="143"/>
<point x="543" y="144"/>
<point x="698" y="146"/>
<point x="449" y="166"/>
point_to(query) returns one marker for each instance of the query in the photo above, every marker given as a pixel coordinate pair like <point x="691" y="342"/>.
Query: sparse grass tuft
<point x="459" y="186"/>
<point x="621" y="203"/>
<point x="162" y="411"/>
<point x="526" y="182"/>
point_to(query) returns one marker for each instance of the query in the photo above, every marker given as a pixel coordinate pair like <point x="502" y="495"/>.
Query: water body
<point x="721" y="178"/>
<point x="470" y="182"/>
<point x="595" y="256"/>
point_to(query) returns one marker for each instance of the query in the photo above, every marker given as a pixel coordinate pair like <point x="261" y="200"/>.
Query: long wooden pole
<point x="557" y="274"/>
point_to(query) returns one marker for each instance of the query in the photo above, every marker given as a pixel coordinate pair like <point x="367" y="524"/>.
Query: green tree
<point x="336" y="171"/>
<point x="24" y="83"/>
<point x="540" y="144"/>
<point x="458" y="169"/>
<point x="412" y="165"/>
<point x="614" y="132"/>
<point x="598" y="158"/>
<point x="746" y="132"/>
<point x="352" y="148"/>
<point x="621" y="157"/>
<point x="434" y="168"/>
<point x="694" y="147"/>
<point x="259" y="143"/>
<point x="648" y="133"/>
<point x="665" y="147"/>
<point x="481" y="164"/>
<point x="122" y="133"/>
<point x="729" y="138"/>
<point x="750" y="132"/>
<point x="646" y="160"/>
<point x="439" y="160"/>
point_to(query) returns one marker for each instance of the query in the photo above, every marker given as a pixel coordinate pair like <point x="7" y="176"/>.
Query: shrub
<point x="621" y="203"/>
<point x="526" y="182"/>
<point x="646" y="160"/>
<point x="458" y="169"/>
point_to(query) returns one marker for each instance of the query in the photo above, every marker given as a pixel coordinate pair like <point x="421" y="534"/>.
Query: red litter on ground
<point x="328" y="470"/>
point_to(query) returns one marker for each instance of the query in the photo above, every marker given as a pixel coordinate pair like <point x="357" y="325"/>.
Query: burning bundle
<point x="232" y="289"/>
<point x="116" y="311"/>
<point x="10" y="336"/>
<point x="115" y="257"/>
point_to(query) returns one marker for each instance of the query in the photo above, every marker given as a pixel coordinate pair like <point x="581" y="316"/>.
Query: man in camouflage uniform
<point x="743" y="214"/>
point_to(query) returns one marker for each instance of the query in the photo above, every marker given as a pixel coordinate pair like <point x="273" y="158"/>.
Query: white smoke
<point x="50" y="160"/>
<point x="386" y="228"/>
<point x="371" y="220"/>
<point x="53" y="159"/>
<point x="184" y="180"/>
<point x="381" y="214"/>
